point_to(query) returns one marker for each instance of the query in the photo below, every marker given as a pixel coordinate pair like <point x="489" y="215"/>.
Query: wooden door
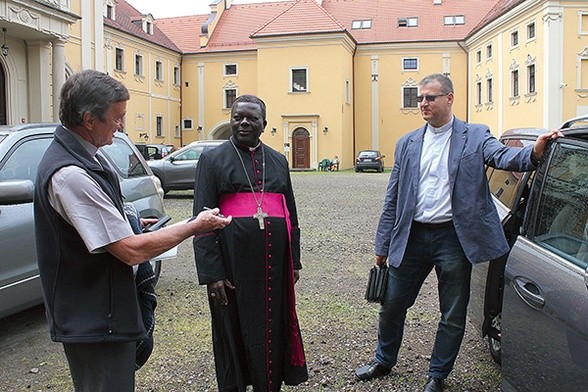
<point x="301" y="149"/>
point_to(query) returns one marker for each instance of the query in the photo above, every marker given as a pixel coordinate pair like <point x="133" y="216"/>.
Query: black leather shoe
<point x="371" y="371"/>
<point x="434" y="385"/>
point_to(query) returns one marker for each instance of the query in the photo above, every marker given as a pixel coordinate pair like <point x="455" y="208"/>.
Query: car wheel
<point x="494" y="341"/>
<point x="356" y="170"/>
<point x="156" y="265"/>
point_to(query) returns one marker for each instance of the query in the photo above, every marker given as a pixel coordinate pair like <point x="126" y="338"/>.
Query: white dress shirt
<point x="434" y="196"/>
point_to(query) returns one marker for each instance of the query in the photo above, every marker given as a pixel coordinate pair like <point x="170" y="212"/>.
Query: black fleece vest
<point x="88" y="297"/>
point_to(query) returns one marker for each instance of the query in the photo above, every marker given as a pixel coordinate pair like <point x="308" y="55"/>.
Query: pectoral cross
<point x="260" y="216"/>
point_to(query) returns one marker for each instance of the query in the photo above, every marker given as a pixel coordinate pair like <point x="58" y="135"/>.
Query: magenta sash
<point x="243" y="205"/>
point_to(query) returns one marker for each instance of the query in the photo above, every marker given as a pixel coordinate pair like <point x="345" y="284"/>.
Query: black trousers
<point x="102" y="367"/>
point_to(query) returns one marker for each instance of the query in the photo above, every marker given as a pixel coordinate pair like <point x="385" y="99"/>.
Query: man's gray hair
<point x="444" y="81"/>
<point x="91" y="92"/>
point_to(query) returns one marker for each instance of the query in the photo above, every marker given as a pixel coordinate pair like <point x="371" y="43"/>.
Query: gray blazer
<point x="475" y="217"/>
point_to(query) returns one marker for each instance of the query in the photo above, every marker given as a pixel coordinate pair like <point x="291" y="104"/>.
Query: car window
<point x="23" y="160"/>
<point x="367" y="154"/>
<point x="124" y="159"/>
<point x="190" y="154"/>
<point x="153" y="153"/>
<point x="504" y="184"/>
<point x="562" y="215"/>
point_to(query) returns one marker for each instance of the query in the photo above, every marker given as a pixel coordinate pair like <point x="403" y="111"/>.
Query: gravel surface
<point x="338" y="216"/>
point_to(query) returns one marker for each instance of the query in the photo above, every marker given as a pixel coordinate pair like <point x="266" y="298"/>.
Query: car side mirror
<point x="16" y="192"/>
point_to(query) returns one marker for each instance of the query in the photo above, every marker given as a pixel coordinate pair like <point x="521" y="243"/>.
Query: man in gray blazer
<point x="438" y="213"/>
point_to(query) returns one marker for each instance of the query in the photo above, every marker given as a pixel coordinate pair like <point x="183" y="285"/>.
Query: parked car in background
<point x="154" y="151"/>
<point x="533" y="303"/>
<point x="369" y="160"/>
<point x="21" y="149"/>
<point x="177" y="171"/>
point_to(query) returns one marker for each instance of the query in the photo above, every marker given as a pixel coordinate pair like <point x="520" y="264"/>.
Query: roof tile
<point x="125" y="14"/>
<point x="303" y="17"/>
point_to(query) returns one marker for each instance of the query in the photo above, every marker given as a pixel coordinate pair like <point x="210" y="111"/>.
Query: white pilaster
<point x="201" y="100"/>
<point x="375" y="103"/>
<point x="39" y="81"/>
<point x="58" y="75"/>
<point x="87" y="22"/>
<point x="553" y="31"/>
<point x="99" y="35"/>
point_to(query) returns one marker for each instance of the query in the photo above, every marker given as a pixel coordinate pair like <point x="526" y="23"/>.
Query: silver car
<point x="177" y="171"/>
<point x="21" y="149"/>
<point x="533" y="303"/>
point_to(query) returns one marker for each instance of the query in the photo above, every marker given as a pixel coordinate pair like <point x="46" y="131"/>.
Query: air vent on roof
<point x="436" y="2"/>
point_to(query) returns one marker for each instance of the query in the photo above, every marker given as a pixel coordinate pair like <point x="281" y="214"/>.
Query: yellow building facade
<point x="337" y="77"/>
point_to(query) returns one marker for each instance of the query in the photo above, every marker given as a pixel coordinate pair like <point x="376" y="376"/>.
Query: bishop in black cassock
<point x="255" y="330"/>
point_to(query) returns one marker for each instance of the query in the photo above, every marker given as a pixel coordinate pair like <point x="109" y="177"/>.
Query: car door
<point x="19" y="274"/>
<point x="545" y="308"/>
<point x="510" y="192"/>
<point x="181" y="170"/>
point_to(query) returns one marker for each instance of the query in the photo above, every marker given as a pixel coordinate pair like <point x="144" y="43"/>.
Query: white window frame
<point x="515" y="83"/>
<point x="225" y="74"/>
<point x="454" y="20"/>
<point x="411" y="21"/>
<point x="515" y="36"/>
<point x="347" y="91"/>
<point x="188" y="123"/>
<point x="122" y="59"/>
<point x="527" y="30"/>
<point x="489" y="90"/>
<point x="177" y="75"/>
<point x="479" y="93"/>
<point x="159" y="126"/>
<point x="416" y="90"/>
<point x="531" y="79"/>
<point x="489" y="51"/>
<point x="410" y="69"/>
<point x="138" y="65"/>
<point x="582" y="30"/>
<point x="479" y="56"/>
<point x="110" y="4"/>
<point x="361" y="24"/>
<point x="307" y="79"/>
<point x="226" y="104"/>
<point x="159" y="70"/>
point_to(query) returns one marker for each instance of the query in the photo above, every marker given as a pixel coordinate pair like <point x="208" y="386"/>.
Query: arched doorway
<point x="3" y="109"/>
<point x="301" y="149"/>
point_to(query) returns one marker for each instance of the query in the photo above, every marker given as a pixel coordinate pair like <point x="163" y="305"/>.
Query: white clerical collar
<point x="441" y="129"/>
<point x="251" y="149"/>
